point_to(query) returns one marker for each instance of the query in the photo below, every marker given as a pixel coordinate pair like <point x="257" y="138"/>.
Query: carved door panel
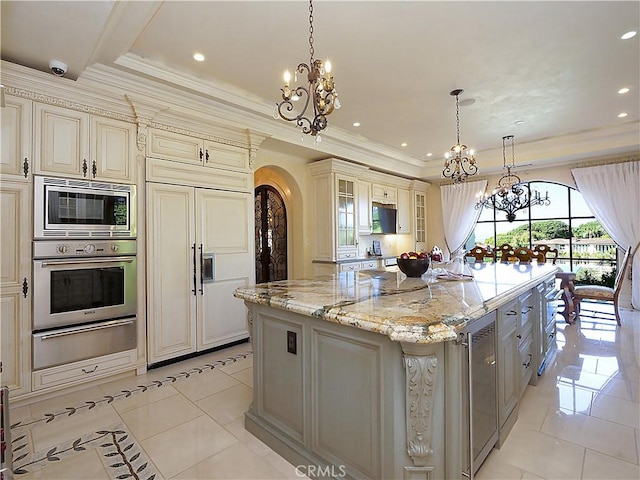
<point x="271" y="235"/>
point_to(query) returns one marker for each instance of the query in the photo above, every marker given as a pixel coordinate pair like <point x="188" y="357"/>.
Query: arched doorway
<point x="271" y="235"/>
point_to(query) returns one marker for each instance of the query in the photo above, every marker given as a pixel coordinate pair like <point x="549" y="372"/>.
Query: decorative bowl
<point x="413" y="267"/>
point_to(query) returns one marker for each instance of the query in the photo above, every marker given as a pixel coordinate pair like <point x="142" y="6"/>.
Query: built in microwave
<point x="82" y="209"/>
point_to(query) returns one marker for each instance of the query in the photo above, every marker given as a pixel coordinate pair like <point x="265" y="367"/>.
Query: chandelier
<point x="510" y="195"/>
<point x="459" y="161"/>
<point x="320" y="91"/>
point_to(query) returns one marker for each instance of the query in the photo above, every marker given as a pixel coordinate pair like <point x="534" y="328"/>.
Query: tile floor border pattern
<point x="118" y="450"/>
<point x="126" y="393"/>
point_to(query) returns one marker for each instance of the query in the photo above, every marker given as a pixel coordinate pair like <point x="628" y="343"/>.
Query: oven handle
<point x="89" y="260"/>
<point x="90" y="328"/>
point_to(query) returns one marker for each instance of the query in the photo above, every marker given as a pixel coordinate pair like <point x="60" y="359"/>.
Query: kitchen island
<point x="363" y="374"/>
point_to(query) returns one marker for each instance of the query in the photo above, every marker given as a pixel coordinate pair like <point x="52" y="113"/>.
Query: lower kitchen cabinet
<point x="517" y="344"/>
<point x="85" y="370"/>
<point x="508" y="361"/>
<point x="199" y="252"/>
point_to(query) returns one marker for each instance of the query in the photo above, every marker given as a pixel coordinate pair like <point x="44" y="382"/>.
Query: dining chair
<point x="523" y="254"/>
<point x="602" y="293"/>
<point x="542" y="252"/>
<point x="503" y="252"/>
<point x="479" y="253"/>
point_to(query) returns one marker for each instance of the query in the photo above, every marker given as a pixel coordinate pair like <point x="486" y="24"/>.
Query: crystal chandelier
<point x="320" y="92"/>
<point x="510" y="195"/>
<point x="459" y="162"/>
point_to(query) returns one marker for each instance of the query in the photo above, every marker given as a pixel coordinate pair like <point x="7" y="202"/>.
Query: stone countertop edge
<point x="442" y="331"/>
<point x="354" y="259"/>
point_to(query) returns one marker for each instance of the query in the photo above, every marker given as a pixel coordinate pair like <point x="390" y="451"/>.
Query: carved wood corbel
<point x="420" y="381"/>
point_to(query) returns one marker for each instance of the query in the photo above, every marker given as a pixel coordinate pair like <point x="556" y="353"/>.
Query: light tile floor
<point x="582" y="421"/>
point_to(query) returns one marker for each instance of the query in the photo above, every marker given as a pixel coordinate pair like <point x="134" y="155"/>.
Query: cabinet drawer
<point x="347" y="255"/>
<point x="369" y="264"/>
<point x="549" y="340"/>
<point x="526" y="361"/>
<point x="507" y="317"/>
<point x="384" y="194"/>
<point x="84" y="371"/>
<point x="174" y="146"/>
<point x="226" y="157"/>
<point x="350" y="267"/>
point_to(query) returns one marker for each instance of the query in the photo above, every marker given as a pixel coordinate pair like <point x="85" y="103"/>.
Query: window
<point x="567" y="224"/>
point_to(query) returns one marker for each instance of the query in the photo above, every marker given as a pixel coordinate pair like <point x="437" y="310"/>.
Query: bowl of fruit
<point x="413" y="264"/>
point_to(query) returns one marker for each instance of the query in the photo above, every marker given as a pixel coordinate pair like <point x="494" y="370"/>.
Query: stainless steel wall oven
<point x="84" y="299"/>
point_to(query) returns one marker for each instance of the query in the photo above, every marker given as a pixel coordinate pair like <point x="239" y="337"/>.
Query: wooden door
<point x="270" y="235"/>
<point x="171" y="280"/>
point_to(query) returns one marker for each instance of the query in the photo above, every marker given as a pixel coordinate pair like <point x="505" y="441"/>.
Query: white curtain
<point x="612" y="193"/>
<point x="459" y="213"/>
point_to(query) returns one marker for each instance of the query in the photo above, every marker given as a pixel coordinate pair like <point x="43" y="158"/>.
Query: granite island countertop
<point x="385" y="301"/>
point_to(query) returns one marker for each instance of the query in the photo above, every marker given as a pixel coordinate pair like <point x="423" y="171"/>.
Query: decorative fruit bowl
<point x="413" y="267"/>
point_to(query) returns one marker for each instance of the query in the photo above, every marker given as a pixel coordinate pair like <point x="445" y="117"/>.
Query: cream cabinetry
<point x="364" y="208"/>
<point x="15" y="285"/>
<point x="516" y="347"/>
<point x="76" y="144"/>
<point x="16" y="158"/>
<point x="403" y="205"/>
<point x="370" y="264"/>
<point x="199" y="252"/>
<point x="336" y="209"/>
<point x="337" y="185"/>
<point x="420" y="212"/>
<point x="508" y="371"/>
<point x="84" y="371"/>
<point x="384" y="193"/>
<point x="184" y="148"/>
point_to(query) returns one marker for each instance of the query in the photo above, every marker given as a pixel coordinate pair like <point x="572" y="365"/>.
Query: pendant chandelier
<point x="510" y="195"/>
<point x="459" y="161"/>
<point x="320" y="91"/>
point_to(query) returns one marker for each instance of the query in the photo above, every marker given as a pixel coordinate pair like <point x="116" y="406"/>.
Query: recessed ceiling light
<point x="429" y="154"/>
<point x="623" y="90"/>
<point x="622" y="115"/>
<point x="198" y="57"/>
<point x="519" y="122"/>
<point x="356" y="124"/>
<point x="629" y="35"/>
<point x="403" y="144"/>
<point x="467" y="101"/>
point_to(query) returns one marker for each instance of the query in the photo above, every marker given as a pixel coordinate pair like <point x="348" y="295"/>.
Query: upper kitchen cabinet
<point x="336" y="209"/>
<point x="79" y="145"/>
<point x="418" y="191"/>
<point x="384" y="193"/>
<point x="364" y="208"/>
<point x="16" y="157"/>
<point x="404" y="211"/>
<point x="184" y="148"/>
<point x="420" y="202"/>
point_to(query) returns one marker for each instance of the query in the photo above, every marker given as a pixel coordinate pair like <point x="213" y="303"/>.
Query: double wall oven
<point x="84" y="270"/>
